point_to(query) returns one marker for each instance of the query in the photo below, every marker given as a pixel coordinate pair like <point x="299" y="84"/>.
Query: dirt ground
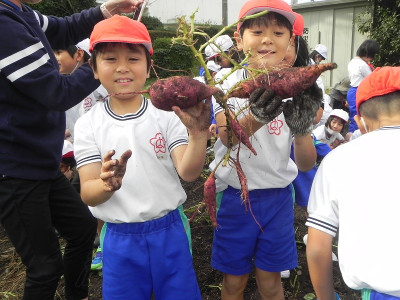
<point x="298" y="286"/>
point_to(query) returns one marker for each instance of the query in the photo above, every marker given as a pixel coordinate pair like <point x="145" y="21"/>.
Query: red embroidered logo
<point x="158" y="143"/>
<point x="87" y="104"/>
<point x="274" y="127"/>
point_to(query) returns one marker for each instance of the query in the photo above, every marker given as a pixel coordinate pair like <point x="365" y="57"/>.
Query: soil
<point x="297" y="286"/>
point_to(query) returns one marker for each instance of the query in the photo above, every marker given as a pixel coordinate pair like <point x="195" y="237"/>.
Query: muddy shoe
<point x="97" y="262"/>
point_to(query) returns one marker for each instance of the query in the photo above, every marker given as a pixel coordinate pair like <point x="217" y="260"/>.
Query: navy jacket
<point x="33" y="94"/>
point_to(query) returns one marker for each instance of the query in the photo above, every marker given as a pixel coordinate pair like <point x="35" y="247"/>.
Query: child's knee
<point x="269" y="284"/>
<point x="234" y="284"/>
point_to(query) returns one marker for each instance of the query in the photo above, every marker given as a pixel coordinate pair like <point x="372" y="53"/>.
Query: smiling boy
<point x="146" y="237"/>
<point x="239" y="242"/>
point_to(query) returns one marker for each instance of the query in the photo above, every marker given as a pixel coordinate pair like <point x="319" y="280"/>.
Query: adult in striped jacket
<point x="34" y="196"/>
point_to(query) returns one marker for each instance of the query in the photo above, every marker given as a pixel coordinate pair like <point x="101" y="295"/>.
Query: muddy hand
<point x="196" y="118"/>
<point x="113" y="170"/>
<point x="265" y="105"/>
<point x="300" y="113"/>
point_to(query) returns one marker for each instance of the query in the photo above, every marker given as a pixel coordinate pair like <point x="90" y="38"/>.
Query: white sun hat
<point x="340" y="113"/>
<point x="224" y="42"/>
<point x="84" y="45"/>
<point x="213" y="66"/>
<point x="321" y="49"/>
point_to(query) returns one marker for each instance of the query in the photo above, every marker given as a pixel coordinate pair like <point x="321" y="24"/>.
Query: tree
<point x="62" y="8"/>
<point x="381" y="21"/>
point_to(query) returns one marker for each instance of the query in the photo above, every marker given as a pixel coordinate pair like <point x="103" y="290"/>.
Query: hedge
<point x="171" y="59"/>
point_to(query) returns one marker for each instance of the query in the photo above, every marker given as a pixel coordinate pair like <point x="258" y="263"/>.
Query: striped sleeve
<point x="176" y="133"/>
<point x="323" y="210"/>
<point x="86" y="150"/>
<point x="29" y="64"/>
<point x="321" y="225"/>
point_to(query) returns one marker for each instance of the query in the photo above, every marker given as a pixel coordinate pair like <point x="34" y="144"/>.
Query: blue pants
<point x="351" y="100"/>
<point x="149" y="258"/>
<point x="239" y="241"/>
<point x="374" y="295"/>
<point x="29" y="211"/>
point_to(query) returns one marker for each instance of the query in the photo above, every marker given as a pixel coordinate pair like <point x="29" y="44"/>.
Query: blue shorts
<point x="374" y="295"/>
<point x="302" y="186"/>
<point x="238" y="239"/>
<point x="149" y="258"/>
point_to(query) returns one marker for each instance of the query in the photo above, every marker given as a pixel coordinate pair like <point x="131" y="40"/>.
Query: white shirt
<point x="272" y="166"/>
<point x="365" y="207"/>
<point x="358" y="70"/>
<point x="75" y="112"/>
<point x="151" y="187"/>
<point x="320" y="134"/>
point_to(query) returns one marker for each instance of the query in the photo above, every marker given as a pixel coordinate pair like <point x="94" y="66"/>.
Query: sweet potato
<point x="242" y="135"/>
<point x="181" y="91"/>
<point x="287" y="82"/>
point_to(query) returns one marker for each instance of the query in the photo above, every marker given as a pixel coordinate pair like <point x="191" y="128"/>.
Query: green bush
<point x="171" y="59"/>
<point x="152" y="23"/>
<point x="211" y="30"/>
<point x="156" y="34"/>
<point x="63" y="7"/>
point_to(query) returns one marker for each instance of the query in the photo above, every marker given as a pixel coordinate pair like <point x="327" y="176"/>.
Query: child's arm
<point x="100" y="180"/>
<point x="189" y="159"/>
<point x="300" y="114"/>
<point x="319" y="260"/>
<point x="305" y="154"/>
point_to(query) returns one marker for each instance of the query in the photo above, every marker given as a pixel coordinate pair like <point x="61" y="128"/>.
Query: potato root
<point x="181" y="91"/>
<point x="287" y="82"/>
<point x="241" y="135"/>
<point x="210" y="198"/>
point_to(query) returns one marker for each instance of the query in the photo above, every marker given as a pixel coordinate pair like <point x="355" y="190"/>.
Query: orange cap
<point x="380" y="82"/>
<point x="252" y="7"/>
<point x="298" y="25"/>
<point x="120" y="29"/>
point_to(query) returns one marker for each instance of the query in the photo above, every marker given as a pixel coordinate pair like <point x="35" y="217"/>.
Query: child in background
<point x="358" y="68"/>
<point x="238" y="241"/>
<point x="213" y="53"/>
<point x="146" y="236"/>
<point x="67" y="160"/>
<point x="213" y="68"/>
<point x="365" y="206"/>
<point x="319" y="54"/>
<point x="69" y="60"/>
<point x="334" y="131"/>
<point x="223" y="43"/>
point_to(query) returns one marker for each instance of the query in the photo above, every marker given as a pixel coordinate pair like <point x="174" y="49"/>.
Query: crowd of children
<point x="131" y="158"/>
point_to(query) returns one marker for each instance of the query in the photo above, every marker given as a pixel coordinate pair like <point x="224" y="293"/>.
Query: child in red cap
<point x="239" y="243"/>
<point x="366" y="207"/>
<point x="146" y="238"/>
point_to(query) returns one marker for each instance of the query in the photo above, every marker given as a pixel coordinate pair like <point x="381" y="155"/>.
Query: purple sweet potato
<point x="287" y="82"/>
<point x="181" y="91"/>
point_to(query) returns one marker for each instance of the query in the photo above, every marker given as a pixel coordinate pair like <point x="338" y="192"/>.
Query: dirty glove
<point x="265" y="105"/>
<point x="301" y="111"/>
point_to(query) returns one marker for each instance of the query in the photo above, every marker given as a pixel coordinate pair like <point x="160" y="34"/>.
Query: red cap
<point x="252" y="7"/>
<point x="298" y="25"/>
<point x="120" y="29"/>
<point x="380" y="82"/>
